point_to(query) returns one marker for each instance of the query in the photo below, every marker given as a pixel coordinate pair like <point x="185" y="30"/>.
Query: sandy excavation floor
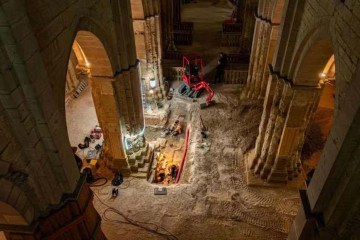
<point x="215" y="202"/>
<point x="212" y="201"/>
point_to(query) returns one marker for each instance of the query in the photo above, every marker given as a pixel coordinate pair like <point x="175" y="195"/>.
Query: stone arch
<point x="84" y="31"/>
<point x="97" y="58"/>
<point x="107" y="90"/>
<point x="335" y="186"/>
<point x="108" y="43"/>
<point x="93" y="61"/>
<point x="86" y="24"/>
<point x="321" y="120"/>
<point x="312" y="55"/>
<point x="15" y="207"/>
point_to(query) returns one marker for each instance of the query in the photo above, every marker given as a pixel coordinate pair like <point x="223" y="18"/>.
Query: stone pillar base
<point x="122" y="166"/>
<point x="253" y="179"/>
<point x="74" y="218"/>
<point x="278" y="177"/>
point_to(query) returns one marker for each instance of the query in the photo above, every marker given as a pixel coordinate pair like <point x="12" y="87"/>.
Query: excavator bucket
<point x="205" y="105"/>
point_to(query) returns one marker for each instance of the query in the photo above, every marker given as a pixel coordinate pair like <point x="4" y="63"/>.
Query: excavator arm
<point x="205" y="85"/>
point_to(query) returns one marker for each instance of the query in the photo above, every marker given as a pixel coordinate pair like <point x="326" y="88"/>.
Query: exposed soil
<point x="212" y="200"/>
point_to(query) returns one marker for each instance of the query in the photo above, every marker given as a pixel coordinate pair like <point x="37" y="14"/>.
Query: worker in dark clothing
<point x="220" y="68"/>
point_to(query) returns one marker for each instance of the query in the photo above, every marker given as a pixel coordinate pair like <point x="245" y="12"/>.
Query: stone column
<point x="253" y="59"/>
<point x="159" y="45"/>
<point x="270" y="126"/>
<point x="134" y="79"/>
<point x="278" y="129"/>
<point x="299" y="114"/>
<point x="246" y="11"/>
<point x="128" y="93"/>
<point x="177" y="10"/>
<point x="269" y="96"/>
<point x="270" y="48"/>
<point x="167" y="22"/>
<point x="152" y="32"/>
<point x="108" y="112"/>
<point x="263" y="46"/>
<point x="260" y="65"/>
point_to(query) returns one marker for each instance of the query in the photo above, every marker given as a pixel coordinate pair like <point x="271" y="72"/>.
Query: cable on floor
<point x="100" y="184"/>
<point x="155" y="229"/>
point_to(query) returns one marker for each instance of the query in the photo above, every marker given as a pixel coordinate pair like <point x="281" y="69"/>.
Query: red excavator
<point x="193" y="77"/>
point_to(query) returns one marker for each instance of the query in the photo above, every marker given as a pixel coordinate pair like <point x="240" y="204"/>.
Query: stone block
<point x="5" y="189"/>
<point x="29" y="124"/>
<point x="28" y="46"/>
<point x="4" y="167"/>
<point x="43" y="130"/>
<point x="38" y="78"/>
<point x="14" y="11"/>
<point x="10" y="152"/>
<point x="14" y="195"/>
<point x="23" y="111"/>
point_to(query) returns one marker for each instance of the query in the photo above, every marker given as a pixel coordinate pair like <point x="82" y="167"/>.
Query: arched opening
<point x="89" y="70"/>
<point x="15" y="207"/>
<point x="10" y="216"/>
<point x="320" y="125"/>
<point x="80" y="108"/>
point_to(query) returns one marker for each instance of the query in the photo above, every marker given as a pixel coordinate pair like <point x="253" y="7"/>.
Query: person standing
<point x="220" y="68"/>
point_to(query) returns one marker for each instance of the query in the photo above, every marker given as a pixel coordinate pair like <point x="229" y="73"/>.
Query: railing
<point x="184" y="26"/>
<point x="173" y="55"/>
<point x="235" y="76"/>
<point x="231" y="33"/>
<point x="182" y="37"/>
<point x="238" y="58"/>
<point x="231" y="39"/>
<point x="183" y="33"/>
<point x="231" y="27"/>
<point x="172" y="73"/>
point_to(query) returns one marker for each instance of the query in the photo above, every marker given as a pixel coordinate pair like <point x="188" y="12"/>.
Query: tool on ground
<point x="175" y="129"/>
<point x="193" y="79"/>
<point x="202" y="125"/>
<point x="160" y="191"/>
<point x="118" y="179"/>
